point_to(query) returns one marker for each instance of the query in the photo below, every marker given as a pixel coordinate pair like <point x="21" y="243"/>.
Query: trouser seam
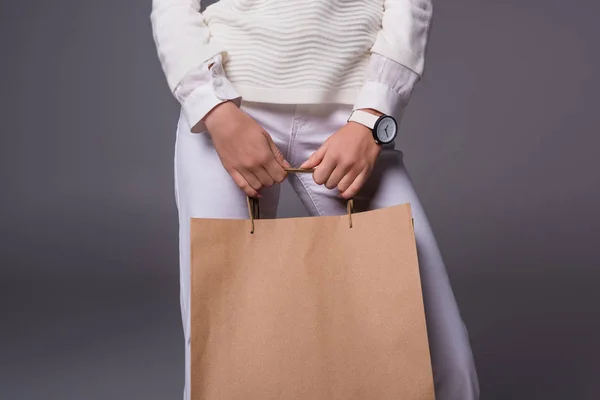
<point x="293" y="133"/>
<point x="311" y="197"/>
<point x="296" y="125"/>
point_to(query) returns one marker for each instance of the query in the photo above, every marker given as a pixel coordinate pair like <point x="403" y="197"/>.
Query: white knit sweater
<point x="291" y="51"/>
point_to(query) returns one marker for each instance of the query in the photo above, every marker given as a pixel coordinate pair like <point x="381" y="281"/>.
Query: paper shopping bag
<point x="308" y="308"/>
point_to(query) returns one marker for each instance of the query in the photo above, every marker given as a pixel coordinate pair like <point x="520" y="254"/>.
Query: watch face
<point x="386" y="129"/>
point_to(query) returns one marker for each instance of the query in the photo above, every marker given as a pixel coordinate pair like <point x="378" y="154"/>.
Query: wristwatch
<point x="384" y="128"/>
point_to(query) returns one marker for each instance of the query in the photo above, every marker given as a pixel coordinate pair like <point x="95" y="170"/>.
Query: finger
<point x="276" y="171"/>
<point x="355" y="187"/>
<point x="263" y="176"/>
<point x="324" y="170"/>
<point x="277" y="153"/>
<point x="347" y="180"/>
<point x="317" y="157"/>
<point x="252" y="180"/>
<point x="275" y="167"/>
<point x="336" y="176"/>
<point x="243" y="184"/>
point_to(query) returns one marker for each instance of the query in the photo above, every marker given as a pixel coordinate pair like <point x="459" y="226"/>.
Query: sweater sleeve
<point x="387" y="88"/>
<point x="404" y="32"/>
<point x="182" y="39"/>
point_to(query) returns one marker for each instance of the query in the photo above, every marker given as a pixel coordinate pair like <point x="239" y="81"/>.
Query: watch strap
<point x="364" y="118"/>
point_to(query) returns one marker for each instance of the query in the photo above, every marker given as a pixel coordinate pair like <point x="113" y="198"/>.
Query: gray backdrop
<point x="501" y="140"/>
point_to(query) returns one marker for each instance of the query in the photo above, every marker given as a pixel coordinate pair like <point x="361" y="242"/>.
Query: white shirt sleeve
<point x="404" y="32"/>
<point x="387" y="88"/>
<point x="202" y="89"/>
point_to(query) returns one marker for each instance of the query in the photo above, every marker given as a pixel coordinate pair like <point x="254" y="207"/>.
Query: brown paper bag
<point x="308" y="308"/>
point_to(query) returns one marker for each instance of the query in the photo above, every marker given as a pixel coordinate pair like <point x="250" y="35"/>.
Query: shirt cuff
<point x="387" y="88"/>
<point x="202" y="89"/>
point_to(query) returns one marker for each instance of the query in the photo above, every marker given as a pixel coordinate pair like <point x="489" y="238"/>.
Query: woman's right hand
<point x="247" y="152"/>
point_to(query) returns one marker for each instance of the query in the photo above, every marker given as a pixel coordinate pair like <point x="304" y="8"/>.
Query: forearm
<point x="190" y="59"/>
<point x="387" y="88"/>
<point x="182" y="39"/>
<point x="404" y="32"/>
<point x="397" y="57"/>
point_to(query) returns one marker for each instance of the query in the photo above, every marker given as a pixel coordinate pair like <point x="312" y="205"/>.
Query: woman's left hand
<point x="345" y="160"/>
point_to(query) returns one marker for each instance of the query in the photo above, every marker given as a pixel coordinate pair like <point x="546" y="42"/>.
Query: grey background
<point x="501" y="140"/>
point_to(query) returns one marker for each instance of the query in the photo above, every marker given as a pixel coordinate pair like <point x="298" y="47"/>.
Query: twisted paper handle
<point x="254" y="208"/>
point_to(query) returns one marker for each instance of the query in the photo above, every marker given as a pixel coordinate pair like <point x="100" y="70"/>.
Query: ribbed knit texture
<point x="300" y="49"/>
<point x="291" y="51"/>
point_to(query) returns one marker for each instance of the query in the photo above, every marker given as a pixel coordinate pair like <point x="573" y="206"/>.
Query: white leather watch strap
<point x="363" y="118"/>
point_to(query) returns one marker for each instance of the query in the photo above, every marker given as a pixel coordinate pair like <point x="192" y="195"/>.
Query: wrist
<point x="384" y="128"/>
<point x="218" y="113"/>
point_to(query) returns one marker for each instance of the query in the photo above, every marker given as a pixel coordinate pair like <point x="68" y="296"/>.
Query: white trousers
<point x="204" y="189"/>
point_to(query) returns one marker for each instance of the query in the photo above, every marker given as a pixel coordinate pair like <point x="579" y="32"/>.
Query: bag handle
<point x="254" y="208"/>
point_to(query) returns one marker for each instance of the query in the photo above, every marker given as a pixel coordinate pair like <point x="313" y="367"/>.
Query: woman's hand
<point x="345" y="160"/>
<point x="246" y="151"/>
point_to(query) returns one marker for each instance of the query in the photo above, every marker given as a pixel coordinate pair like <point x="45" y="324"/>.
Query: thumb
<point x="277" y="153"/>
<point x="316" y="157"/>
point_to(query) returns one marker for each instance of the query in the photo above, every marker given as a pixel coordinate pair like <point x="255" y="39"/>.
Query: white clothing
<point x="387" y="88"/>
<point x="290" y="51"/>
<point x="204" y="189"/>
